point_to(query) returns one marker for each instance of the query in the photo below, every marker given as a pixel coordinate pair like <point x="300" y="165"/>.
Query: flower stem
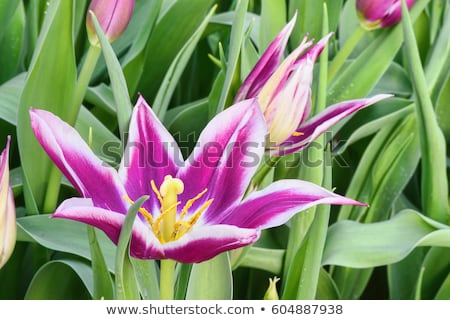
<point x="263" y="171"/>
<point x="344" y="53"/>
<point x="89" y="64"/>
<point x="167" y="279"/>
<point x="54" y="181"/>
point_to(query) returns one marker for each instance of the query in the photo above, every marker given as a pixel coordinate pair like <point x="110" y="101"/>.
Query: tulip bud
<point x="7" y="210"/>
<point x="272" y="293"/>
<point x="113" y="16"/>
<point x="374" y="14"/>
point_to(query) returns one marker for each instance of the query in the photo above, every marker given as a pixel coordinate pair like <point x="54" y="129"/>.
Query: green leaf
<point x="436" y="268"/>
<point x="61" y="279"/>
<point x="172" y="31"/>
<point x="7" y="9"/>
<point x="63" y="235"/>
<point x="237" y="37"/>
<point x="118" y="82"/>
<point x="432" y="142"/>
<point x="147" y="278"/>
<point x="359" y="245"/>
<point x="49" y="85"/>
<point x="270" y="260"/>
<point x="211" y="280"/>
<point x="326" y="288"/>
<point x="126" y="285"/>
<point x="443" y="108"/>
<point x="173" y="75"/>
<point x="103" y="284"/>
<point x="273" y="19"/>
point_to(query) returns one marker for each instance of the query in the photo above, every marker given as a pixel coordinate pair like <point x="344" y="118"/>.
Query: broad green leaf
<point x="62" y="235"/>
<point x="443" y="109"/>
<point x="172" y="77"/>
<point x="432" y="142"/>
<point x="273" y="19"/>
<point x="444" y="290"/>
<point x="10" y="92"/>
<point x="270" y="260"/>
<point x="436" y="268"/>
<point x="49" y="85"/>
<point x="61" y="279"/>
<point x="103" y="284"/>
<point x="7" y="9"/>
<point x="211" y="280"/>
<point x="147" y="278"/>
<point x="183" y="275"/>
<point x="326" y="288"/>
<point x="360" y="245"/>
<point x="169" y="35"/>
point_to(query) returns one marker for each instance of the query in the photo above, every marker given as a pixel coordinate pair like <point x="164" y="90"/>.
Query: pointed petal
<point x="266" y="65"/>
<point x="279" y="202"/>
<point x="317" y="125"/>
<point x="90" y="176"/>
<point x="151" y="154"/>
<point x="144" y="244"/>
<point x="229" y="150"/>
<point x="205" y="242"/>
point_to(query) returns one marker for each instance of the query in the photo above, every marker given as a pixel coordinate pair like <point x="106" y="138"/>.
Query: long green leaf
<point x="49" y="85"/>
<point x="432" y="142"/>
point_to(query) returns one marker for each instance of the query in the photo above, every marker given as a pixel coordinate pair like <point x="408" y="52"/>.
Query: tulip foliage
<point x="211" y="149"/>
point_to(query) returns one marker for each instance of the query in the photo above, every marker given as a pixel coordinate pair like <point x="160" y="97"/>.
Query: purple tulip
<point x="7" y="210"/>
<point x="196" y="207"/>
<point x="374" y="14"/>
<point x="283" y="89"/>
<point x="113" y="16"/>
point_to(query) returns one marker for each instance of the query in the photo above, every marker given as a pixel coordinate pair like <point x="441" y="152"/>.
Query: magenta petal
<point x="317" y="125"/>
<point x="144" y="244"/>
<point x="151" y="154"/>
<point x="205" y="242"/>
<point x="266" y="65"/>
<point x="88" y="174"/>
<point x="228" y="153"/>
<point x="276" y="204"/>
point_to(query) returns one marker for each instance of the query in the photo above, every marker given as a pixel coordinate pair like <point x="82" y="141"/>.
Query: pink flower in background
<point x="374" y="14"/>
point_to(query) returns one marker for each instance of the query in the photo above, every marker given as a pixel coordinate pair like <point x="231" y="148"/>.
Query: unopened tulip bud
<point x="7" y="210"/>
<point x="113" y="16"/>
<point x="272" y="293"/>
<point x="374" y="14"/>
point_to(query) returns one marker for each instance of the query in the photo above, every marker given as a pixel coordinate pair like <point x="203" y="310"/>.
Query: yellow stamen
<point x="193" y="220"/>
<point x="156" y="191"/>
<point x="298" y="134"/>
<point x="190" y="202"/>
<point x="158" y="225"/>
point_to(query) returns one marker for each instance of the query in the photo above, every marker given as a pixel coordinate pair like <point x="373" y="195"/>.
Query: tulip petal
<point x="205" y="242"/>
<point x="317" y="125"/>
<point x="151" y="154"/>
<point x="266" y="65"/>
<point x="90" y="176"/>
<point x="144" y="244"/>
<point x="229" y="151"/>
<point x="276" y="204"/>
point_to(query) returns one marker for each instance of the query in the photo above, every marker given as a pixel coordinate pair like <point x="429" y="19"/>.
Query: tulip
<point x="196" y="207"/>
<point x="283" y="90"/>
<point x="113" y="16"/>
<point x="7" y="210"/>
<point x="374" y="14"/>
<point x="271" y="292"/>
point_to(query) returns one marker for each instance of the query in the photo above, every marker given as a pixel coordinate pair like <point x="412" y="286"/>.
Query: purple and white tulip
<point x="375" y="14"/>
<point x="7" y="210"/>
<point x="283" y="89"/>
<point x="196" y="207"/>
<point x="113" y="16"/>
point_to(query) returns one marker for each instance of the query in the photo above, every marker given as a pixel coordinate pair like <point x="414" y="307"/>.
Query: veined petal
<point x="276" y="204"/>
<point x="317" y="125"/>
<point x="90" y="176"/>
<point x="143" y="245"/>
<point x="228" y="153"/>
<point x="205" y="242"/>
<point x="266" y="65"/>
<point x="151" y="154"/>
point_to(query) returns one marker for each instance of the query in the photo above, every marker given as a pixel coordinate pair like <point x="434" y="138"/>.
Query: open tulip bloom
<point x="196" y="207"/>
<point x="283" y="89"/>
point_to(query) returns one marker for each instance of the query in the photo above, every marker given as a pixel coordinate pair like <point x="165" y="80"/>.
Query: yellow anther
<point x="156" y="191"/>
<point x="199" y="212"/>
<point x="190" y="202"/>
<point x="160" y="222"/>
<point x="298" y="134"/>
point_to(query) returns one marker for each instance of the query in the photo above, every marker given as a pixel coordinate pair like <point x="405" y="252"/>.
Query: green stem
<point x="263" y="171"/>
<point x="54" y="181"/>
<point x="89" y="64"/>
<point x="344" y="53"/>
<point x="167" y="280"/>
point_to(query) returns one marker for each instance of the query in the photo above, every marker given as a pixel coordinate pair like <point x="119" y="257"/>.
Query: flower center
<point x="169" y="226"/>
